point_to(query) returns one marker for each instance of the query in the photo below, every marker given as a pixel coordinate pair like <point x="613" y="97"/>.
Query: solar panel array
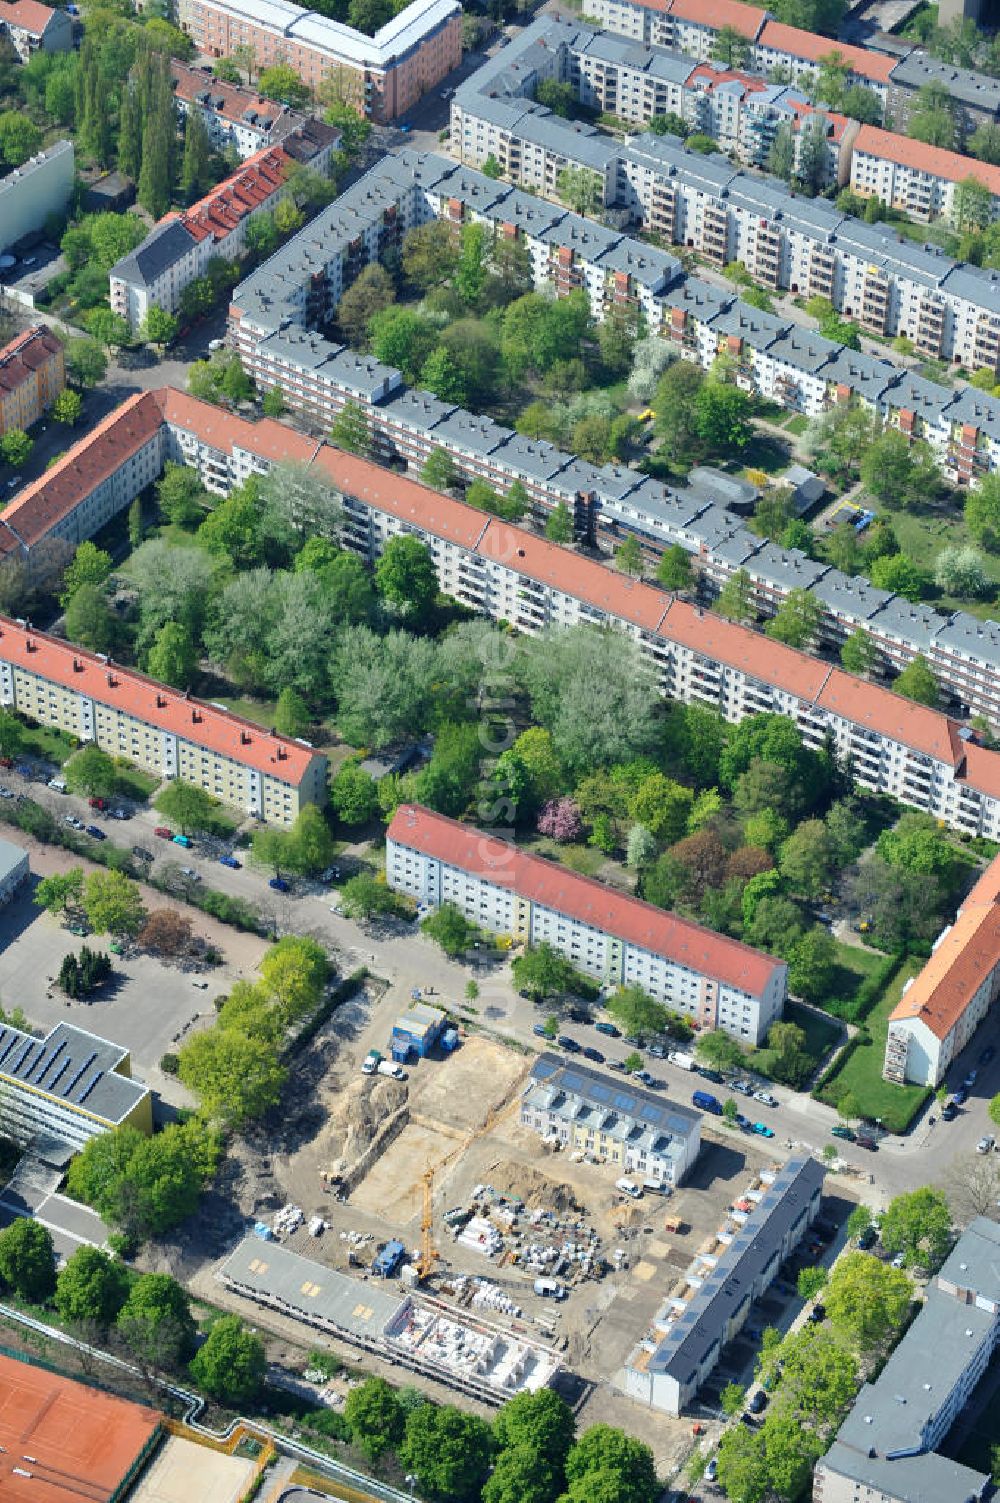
<point x="650" y="1111"/>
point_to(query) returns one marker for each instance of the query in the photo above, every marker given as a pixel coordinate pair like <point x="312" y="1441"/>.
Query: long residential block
<point x="941" y="1008"/>
<point x="269" y="777"/>
<point x="611" y="1121"/>
<point x="715" y="981"/>
<point x="710" y="1303"/>
<point x="38" y="190"/>
<point x="918" y="179"/>
<point x="922" y="757"/>
<point x="382" y="76"/>
<point x="888" y="1448"/>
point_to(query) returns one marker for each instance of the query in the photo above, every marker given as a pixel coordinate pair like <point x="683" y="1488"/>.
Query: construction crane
<point x="428" y="1252"/>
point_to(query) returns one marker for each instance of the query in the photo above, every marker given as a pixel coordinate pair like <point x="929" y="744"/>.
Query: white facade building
<point x="38" y="190"/>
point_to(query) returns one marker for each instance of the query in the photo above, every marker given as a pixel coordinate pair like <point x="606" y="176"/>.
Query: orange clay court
<point x="63" y="1442"/>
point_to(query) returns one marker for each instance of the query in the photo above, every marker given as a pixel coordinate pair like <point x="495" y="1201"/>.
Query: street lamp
<point x="411" y="1481"/>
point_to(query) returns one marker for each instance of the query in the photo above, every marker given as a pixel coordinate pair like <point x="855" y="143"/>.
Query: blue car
<point x="960" y="1097"/>
<point x="762" y="1130"/>
<point x="279" y="884"/>
<point x="743" y="1122"/>
<point x="540" y="1031"/>
<point x="97" y="833"/>
<point x="229" y="861"/>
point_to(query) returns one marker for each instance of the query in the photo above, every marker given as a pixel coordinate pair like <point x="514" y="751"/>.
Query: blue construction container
<point x="449" y="1040"/>
<point x="388" y="1260"/>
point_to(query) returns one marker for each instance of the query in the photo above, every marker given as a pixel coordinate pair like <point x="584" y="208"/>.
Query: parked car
<point x="868" y="1239"/>
<point x="762" y="1130"/>
<point x="817" y="1313"/>
<point x="765" y="1098"/>
<point x="970" y="1080"/>
<point x="578" y="1014"/>
<point x="5" y="792"/>
<point x="617" y="1065"/>
<point x="656" y="1051"/>
<point x="949" y="1112"/>
<point x="279" y="884"/>
<point x="608" y="1029"/>
<point x="184" y="841"/>
<point x="711" y="1471"/>
<point x="229" y="861"/>
<point x="72" y="821"/>
<point x="163" y="832"/>
<point x="540" y="1031"/>
<point x="864" y="1140"/>
<point x="846" y="1133"/>
<point x="594" y="1054"/>
<point x="97" y="833"/>
<point x="743" y="1123"/>
<point x="121" y="814"/>
<point x="190" y="873"/>
<point x="758" y="1403"/>
<point x="643" y="1077"/>
<point x="986" y="1144"/>
<point x="960" y="1097"/>
<point x="899" y="1260"/>
<point x="570" y="1045"/>
<point x="97" y="803"/>
<point x="715" y="1076"/>
<point x="743" y="1087"/>
<point x="140" y="852"/>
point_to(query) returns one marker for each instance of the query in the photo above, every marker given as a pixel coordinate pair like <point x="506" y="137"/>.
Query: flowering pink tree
<point x="560" y="819"/>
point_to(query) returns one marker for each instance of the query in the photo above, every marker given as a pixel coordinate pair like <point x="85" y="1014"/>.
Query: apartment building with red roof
<point x="234" y="116"/>
<point x="714" y="981"/>
<point x="179" y="246"/>
<point x="909" y="175"/>
<point x="32" y="374"/>
<point x="33" y="27"/>
<point x="941" y="1008"/>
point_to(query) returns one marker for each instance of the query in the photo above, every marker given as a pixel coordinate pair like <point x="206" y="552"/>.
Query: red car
<point x="163" y="832"/>
<point x="98" y="803"/>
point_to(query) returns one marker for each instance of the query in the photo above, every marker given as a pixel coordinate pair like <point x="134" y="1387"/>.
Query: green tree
<point x="442" y="375"/>
<point x="89" y="619"/>
<point x="581" y="190"/>
<point x="797" y="619"/>
<point x="542" y="972"/>
<point x="156" y="1322"/>
<point x="859" y="653"/>
<point x="187" y="806"/>
<point x="559" y="525"/>
<point x="541" y="1422"/>
<point x="961" y="572"/>
<point x="722" y="417"/>
<point x="294" y="973"/>
<point x="806" y="859"/>
<point x="451" y="929"/>
<point x="982" y="512"/>
<point x="896" y="471"/>
<point x="931" y="119"/>
<point x="281" y="82"/>
<point x="521" y="1475"/>
<point x="636" y="1012"/>
<point x="860" y="1218"/>
<point x="735" y="600"/>
<point x="919" y="1226"/>
<point x="448" y="1451"/>
<point x="113" y="904"/>
<point x="781" y="156"/>
<point x="27" y="1259"/>
<point x="91" y="1289"/>
<point x="918" y="683"/>
<point x="732" y="1398"/>
<point x="439" y="470"/>
<point x="351" y="430"/>
<point x="158" y="326"/>
<point x="810" y="1282"/>
<point x="11" y="734"/>
<point x="67" y="407"/>
<point x="719" y="1050"/>
<point x="608" y="1466"/>
<point x="674" y="569"/>
<point x="273" y="404"/>
<point x="235" y="1078"/>
<point x="91" y="772"/>
<point x="291" y="713"/>
<point x="375" y="1417"/>
<point x="90" y="565"/>
<point x="900" y="574"/>
<point x="628" y="557"/>
<point x="61" y="891"/>
<point x="173" y="657"/>
<point x="730" y="46"/>
<point x="195" y="167"/>
<point x="364" y="897"/>
<point x="86" y="362"/>
<point x="368" y="295"/>
<point x="812" y="966"/>
<point x="406" y="577"/>
<point x="867" y="1301"/>
<point x="354" y="795"/>
<point x="232" y="1364"/>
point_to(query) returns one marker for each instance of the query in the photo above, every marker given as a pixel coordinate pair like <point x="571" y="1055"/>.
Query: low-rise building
<point x="709" y="1304"/>
<point x="715" y="981"/>
<point x="37" y="191"/>
<point x="941" y="1008"/>
<point x="14" y="871"/>
<point x="58" y="1092"/>
<point x="33" y="27"/>
<point x="888" y="1448"/>
<point x="32" y="374"/>
<point x="269" y="777"/>
<point x="611" y="1121"/>
<point x="417" y="1030"/>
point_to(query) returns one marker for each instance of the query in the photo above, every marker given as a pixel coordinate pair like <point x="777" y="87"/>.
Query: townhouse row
<point x="179" y="247"/>
<point x="495" y="113"/>
<point x="269" y="327"/>
<point x="714" y="981"/>
<point x="890" y="286"/>
<point x="894" y="75"/>
<point x="381" y="76"/>
<point x="921" y="757"/>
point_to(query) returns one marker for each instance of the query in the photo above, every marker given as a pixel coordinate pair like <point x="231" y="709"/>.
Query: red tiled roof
<point x="25" y="354"/>
<point x="28" y="14"/>
<point x="582" y="898"/>
<point x="452" y="521"/>
<point x="156" y="704"/>
<point x="960" y="963"/>
<point x="41" y="506"/>
<point x="890" y="146"/>
<point x="224" y="431"/>
<point x="712" y="76"/>
<point x="62" y="1441"/>
<point x="890" y="715"/>
<point x="190" y="82"/>
<point x="746" y="19"/>
<point x="770" y="662"/>
<point x="982" y="769"/>
<point x="250" y="186"/>
<point x="805" y="44"/>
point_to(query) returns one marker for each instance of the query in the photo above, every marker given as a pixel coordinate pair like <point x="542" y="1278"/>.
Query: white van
<point x="549" y="1289"/>
<point x="678" y="1057"/>
<point x="57" y="784"/>
<point x="391" y="1068"/>
<point x="629" y="1187"/>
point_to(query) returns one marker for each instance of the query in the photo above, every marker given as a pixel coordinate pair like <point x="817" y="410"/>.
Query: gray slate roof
<point x="72" y="1066"/>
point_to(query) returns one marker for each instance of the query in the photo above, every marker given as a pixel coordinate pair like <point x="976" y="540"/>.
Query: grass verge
<point x="860" y="1072"/>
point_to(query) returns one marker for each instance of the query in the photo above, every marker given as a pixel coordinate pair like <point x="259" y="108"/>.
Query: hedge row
<point x="340" y="994"/>
<point x="855" y="1009"/>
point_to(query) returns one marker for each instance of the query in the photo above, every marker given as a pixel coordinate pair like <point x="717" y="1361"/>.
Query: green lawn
<point x="586" y="859"/>
<point x="135" y="784"/>
<point x="861" y="1073"/>
<point x="48" y="743"/>
<point x="797" y="425"/>
<point x="923" y="534"/>
<point x="821" y="1033"/>
<point x="261" y="711"/>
